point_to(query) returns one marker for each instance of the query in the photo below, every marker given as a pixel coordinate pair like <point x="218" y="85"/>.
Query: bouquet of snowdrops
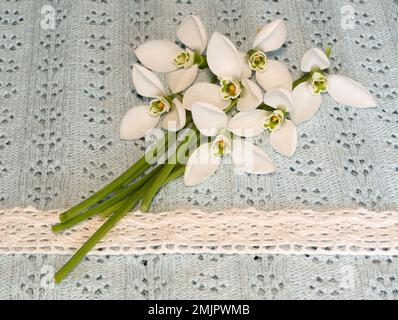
<point x="203" y="122"/>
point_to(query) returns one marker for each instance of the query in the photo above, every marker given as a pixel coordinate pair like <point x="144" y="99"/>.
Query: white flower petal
<point x="248" y="124"/>
<point x="271" y="37"/>
<point x="204" y="92"/>
<point x="246" y="71"/>
<point x="182" y="79"/>
<point x="284" y="140"/>
<point x="201" y="165"/>
<point x="158" y="55"/>
<point x="192" y="33"/>
<point x="306" y="104"/>
<point x="136" y="123"/>
<point x="146" y="83"/>
<point x="208" y="118"/>
<point x="279" y="97"/>
<point x="350" y="93"/>
<point x="276" y="75"/>
<point x="176" y="119"/>
<point x="251" y="97"/>
<point x="313" y="59"/>
<point x="223" y="58"/>
<point x="250" y="158"/>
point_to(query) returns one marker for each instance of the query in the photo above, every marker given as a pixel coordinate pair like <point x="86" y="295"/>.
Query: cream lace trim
<point x="233" y="231"/>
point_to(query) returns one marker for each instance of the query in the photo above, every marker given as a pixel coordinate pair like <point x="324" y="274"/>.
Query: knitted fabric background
<point x="65" y="87"/>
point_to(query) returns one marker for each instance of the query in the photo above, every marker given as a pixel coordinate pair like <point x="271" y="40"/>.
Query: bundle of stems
<point x="138" y="184"/>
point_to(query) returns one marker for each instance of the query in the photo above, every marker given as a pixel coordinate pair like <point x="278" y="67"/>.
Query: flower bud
<point x="230" y="89"/>
<point x="221" y="146"/>
<point x="185" y="59"/>
<point x="318" y="83"/>
<point x="275" y="120"/>
<point x="159" y="106"/>
<point x="258" y="61"/>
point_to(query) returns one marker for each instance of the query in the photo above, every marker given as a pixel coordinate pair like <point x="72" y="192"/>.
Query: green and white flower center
<point x="185" y="59"/>
<point x="222" y="145"/>
<point x="230" y="89"/>
<point x="318" y="83"/>
<point x="159" y="106"/>
<point x="275" y="120"/>
<point x="258" y="60"/>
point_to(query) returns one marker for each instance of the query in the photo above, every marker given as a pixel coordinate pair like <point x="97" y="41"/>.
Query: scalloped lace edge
<point x="350" y="231"/>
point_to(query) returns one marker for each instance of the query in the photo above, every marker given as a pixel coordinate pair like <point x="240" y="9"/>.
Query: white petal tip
<point x="192" y="33"/>
<point x="200" y="166"/>
<point x="146" y="83"/>
<point x="223" y="58"/>
<point x="271" y="37"/>
<point x="284" y="140"/>
<point x="251" y="159"/>
<point x="350" y="93"/>
<point x="136" y="123"/>
<point x="313" y="59"/>
<point x="279" y="97"/>
<point x="158" y="55"/>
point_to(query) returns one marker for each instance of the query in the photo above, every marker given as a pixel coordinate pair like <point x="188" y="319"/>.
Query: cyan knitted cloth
<point x="64" y="87"/>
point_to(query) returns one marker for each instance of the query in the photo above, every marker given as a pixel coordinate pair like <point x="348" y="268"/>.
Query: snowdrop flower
<point x="166" y="56"/>
<point x="282" y="131"/>
<point x="227" y="64"/>
<point x="307" y="95"/>
<point x="269" y="73"/>
<point x="140" y="120"/>
<point x="204" y="161"/>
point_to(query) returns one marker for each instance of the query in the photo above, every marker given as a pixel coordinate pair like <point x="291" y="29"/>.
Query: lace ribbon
<point x="234" y="231"/>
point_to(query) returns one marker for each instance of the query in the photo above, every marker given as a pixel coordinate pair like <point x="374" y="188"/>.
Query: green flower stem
<point x="123" y="208"/>
<point x="106" y="204"/>
<point x="302" y="79"/>
<point x="108" y="212"/>
<point x="97" y="236"/>
<point x="176" y="173"/>
<point x="231" y="105"/>
<point x="250" y="52"/>
<point x="265" y="107"/>
<point x="305" y="77"/>
<point x="166" y="171"/>
<point x="157" y="184"/>
<point x="115" y="193"/>
<point x="131" y="173"/>
<point x="328" y="51"/>
<point x="201" y="61"/>
<point x="214" y="79"/>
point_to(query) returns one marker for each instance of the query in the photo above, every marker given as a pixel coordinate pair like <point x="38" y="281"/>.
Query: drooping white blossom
<point x="228" y="65"/>
<point x="204" y="161"/>
<point x="270" y="73"/>
<point x="282" y="130"/>
<point x="140" y="120"/>
<point x="307" y="95"/>
<point x="181" y="64"/>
